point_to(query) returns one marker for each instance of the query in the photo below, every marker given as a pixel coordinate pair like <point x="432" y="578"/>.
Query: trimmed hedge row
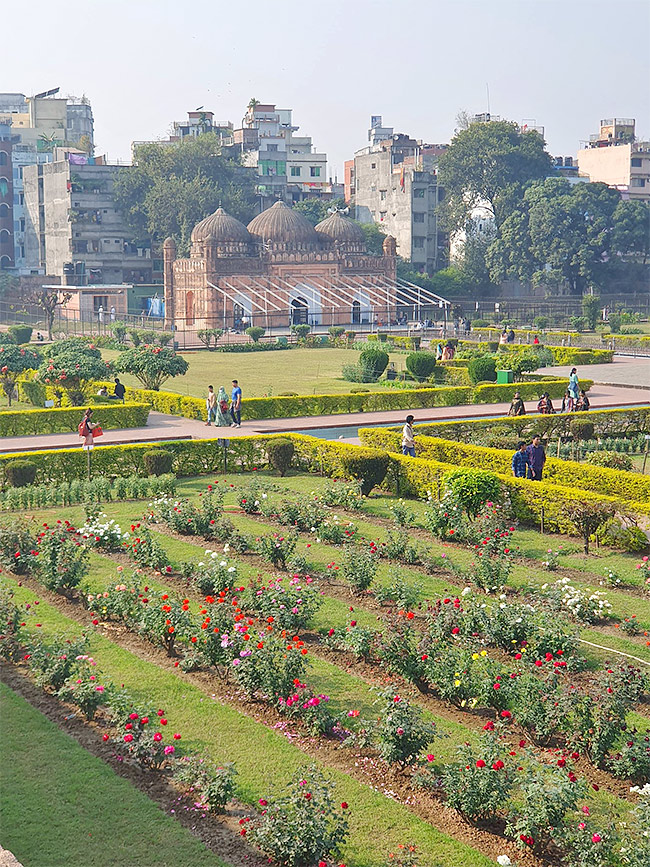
<point x="613" y="483"/>
<point x="65" y="420"/>
<point x="555" y="338"/>
<point x="257" y="408"/>
<point x="606" y="422"/>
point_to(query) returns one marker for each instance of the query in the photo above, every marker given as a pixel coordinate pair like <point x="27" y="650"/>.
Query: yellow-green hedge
<point x="607" y="422"/>
<point x="66" y="420"/>
<point x="622" y="485"/>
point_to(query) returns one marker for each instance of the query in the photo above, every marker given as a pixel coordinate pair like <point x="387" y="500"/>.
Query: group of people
<point x="219" y="410"/>
<point x="118" y="391"/>
<point x="507" y="336"/>
<point x="529" y="459"/>
<point x="446" y="352"/>
<point x="575" y="400"/>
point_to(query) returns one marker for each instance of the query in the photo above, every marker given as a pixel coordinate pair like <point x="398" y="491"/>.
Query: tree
<point x="375" y="238"/>
<point x="152" y="365"/>
<point x="48" y="300"/>
<point x="487" y="164"/>
<point x="558" y="235"/>
<point x="14" y="360"/>
<point x="316" y="210"/>
<point x="588" y="517"/>
<point x="71" y="364"/>
<point x="631" y="234"/>
<point x="591" y="310"/>
<point x="170" y="189"/>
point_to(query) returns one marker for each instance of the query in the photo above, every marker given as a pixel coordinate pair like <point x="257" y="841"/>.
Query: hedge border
<point x="619" y="484"/>
<point x="65" y="419"/>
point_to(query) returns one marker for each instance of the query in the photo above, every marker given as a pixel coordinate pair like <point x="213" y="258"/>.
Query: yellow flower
<point x="456" y="683"/>
<point x="475" y="656"/>
<point x="484" y="653"/>
<point x="523" y="649"/>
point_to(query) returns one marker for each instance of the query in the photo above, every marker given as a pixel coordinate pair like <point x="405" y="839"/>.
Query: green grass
<point x="260" y="374"/>
<point x="59" y="805"/>
<point x="265" y="759"/>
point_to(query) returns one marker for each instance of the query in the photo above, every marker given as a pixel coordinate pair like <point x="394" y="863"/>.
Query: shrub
<point x="62" y="560"/>
<point x="20" y="333"/>
<point x="303" y="827"/>
<point x="280" y="452"/>
<point x="360" y="567"/>
<point x="614" y="322"/>
<point x="578" y="323"/>
<point x="368" y="466"/>
<point x="54" y="661"/>
<point x="400" y="734"/>
<point x="20" y="473"/>
<point x="158" y="462"/>
<point x="66" y="419"/>
<point x="255" y="332"/>
<point x="633" y="758"/>
<point x="301" y="331"/>
<point x="337" y="331"/>
<point x="71" y="364"/>
<point x="373" y="362"/>
<point x="582" y="430"/>
<point x="471" y="489"/>
<point x="616" y="533"/>
<point x="541" y="323"/>
<point x="420" y="365"/>
<point x="119" y="332"/>
<point x="214" y="783"/>
<point x="152" y="365"/>
<point x="587" y="518"/>
<point x="145" y="550"/>
<point x="17" y="546"/>
<point x="613" y="460"/>
<point x="277" y="549"/>
<point x="478" y="784"/>
<point x="483" y="369"/>
<point x="480" y="323"/>
<point x="85" y="688"/>
<point x="15" y="360"/>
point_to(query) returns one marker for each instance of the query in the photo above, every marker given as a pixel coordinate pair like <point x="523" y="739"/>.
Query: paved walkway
<point x="624" y="370"/>
<point x="166" y="427"/>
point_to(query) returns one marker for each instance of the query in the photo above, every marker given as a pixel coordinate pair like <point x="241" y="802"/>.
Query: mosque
<point x="281" y="271"/>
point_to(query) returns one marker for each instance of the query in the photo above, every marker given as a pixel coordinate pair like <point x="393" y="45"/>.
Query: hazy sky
<point x="144" y="63"/>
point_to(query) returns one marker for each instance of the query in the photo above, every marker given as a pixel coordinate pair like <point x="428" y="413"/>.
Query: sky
<point x="144" y="63"/>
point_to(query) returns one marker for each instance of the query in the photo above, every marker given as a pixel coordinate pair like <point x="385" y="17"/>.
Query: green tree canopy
<point x="375" y="238"/>
<point x="14" y="360"/>
<point x="487" y="164"/>
<point x="316" y="210"/>
<point x="559" y="235"/>
<point x="69" y="368"/>
<point x="172" y="187"/>
<point x="152" y="365"/>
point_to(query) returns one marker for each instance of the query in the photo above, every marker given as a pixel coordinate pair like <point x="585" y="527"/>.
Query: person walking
<point x="583" y="402"/>
<point x="574" y="384"/>
<point x="100" y="314"/>
<point x="86" y="427"/>
<point x="545" y="405"/>
<point x="223" y="416"/>
<point x="235" y="404"/>
<point x="536" y="458"/>
<point x="568" y="403"/>
<point x="520" y="461"/>
<point x="536" y="340"/>
<point x="511" y="335"/>
<point x="211" y="406"/>
<point x="112" y="313"/>
<point x="119" y="391"/>
<point x="408" y="437"/>
<point x="517" y="405"/>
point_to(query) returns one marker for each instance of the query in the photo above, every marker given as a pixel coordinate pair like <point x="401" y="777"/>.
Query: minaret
<point x="169" y="256"/>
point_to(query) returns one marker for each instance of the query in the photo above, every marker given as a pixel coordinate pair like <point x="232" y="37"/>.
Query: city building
<point x="73" y="228"/>
<point x="287" y="165"/>
<point x="615" y="157"/>
<point x="280" y="271"/>
<point x="393" y="182"/>
<point x="38" y="125"/>
<point x="197" y="123"/>
<point x="6" y="198"/>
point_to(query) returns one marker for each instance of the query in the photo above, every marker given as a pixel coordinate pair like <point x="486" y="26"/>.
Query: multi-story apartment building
<point x="614" y="157"/>
<point x="287" y="165"/>
<point x="6" y="199"/>
<point x="197" y="123"/>
<point x="37" y="125"/>
<point x="73" y="227"/>
<point x="393" y="182"/>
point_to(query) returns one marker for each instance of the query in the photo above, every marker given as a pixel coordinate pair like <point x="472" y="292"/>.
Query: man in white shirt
<point x="408" y="437"/>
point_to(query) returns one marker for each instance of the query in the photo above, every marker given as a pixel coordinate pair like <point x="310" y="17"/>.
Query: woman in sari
<point x="223" y="413"/>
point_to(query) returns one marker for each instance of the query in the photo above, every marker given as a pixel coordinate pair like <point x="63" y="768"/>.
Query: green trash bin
<point x="504" y="377"/>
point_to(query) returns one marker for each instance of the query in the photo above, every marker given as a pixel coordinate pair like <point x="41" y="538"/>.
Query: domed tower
<point x="281" y="229"/>
<point x="341" y="232"/>
<point x="220" y="235"/>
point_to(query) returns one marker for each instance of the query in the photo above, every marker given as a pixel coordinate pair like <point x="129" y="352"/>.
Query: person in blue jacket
<point x="520" y="461"/>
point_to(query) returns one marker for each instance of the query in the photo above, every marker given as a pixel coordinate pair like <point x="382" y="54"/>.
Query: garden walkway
<point x="166" y="427"/>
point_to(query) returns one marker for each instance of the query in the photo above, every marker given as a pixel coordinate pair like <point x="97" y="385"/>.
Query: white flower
<point x="504" y="861"/>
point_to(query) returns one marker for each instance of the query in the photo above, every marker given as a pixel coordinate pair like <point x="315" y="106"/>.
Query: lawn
<point x="59" y="805"/>
<point x="262" y="374"/>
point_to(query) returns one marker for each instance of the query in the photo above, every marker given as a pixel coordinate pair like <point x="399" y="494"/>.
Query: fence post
<point x="541" y="520"/>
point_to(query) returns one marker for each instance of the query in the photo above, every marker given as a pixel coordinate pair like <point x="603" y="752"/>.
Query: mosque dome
<point x="220" y="229"/>
<point x="282" y="227"/>
<point x="347" y="234"/>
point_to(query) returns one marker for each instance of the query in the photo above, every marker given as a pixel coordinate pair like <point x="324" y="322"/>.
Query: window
<point x="21" y="224"/>
<point x="637" y="162"/>
<point x="4" y="186"/>
<point x="295" y="171"/>
<point x="373" y="165"/>
<point x="271" y="147"/>
<point x="4" y="210"/>
<point x="419" y="193"/>
<point x="314" y="171"/>
<point x="382" y="216"/>
<point x="4" y="159"/>
<point x="637" y="182"/>
<point x="382" y="195"/>
<point x="100" y="301"/>
<point x="418" y="242"/>
<point x="418" y="218"/>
